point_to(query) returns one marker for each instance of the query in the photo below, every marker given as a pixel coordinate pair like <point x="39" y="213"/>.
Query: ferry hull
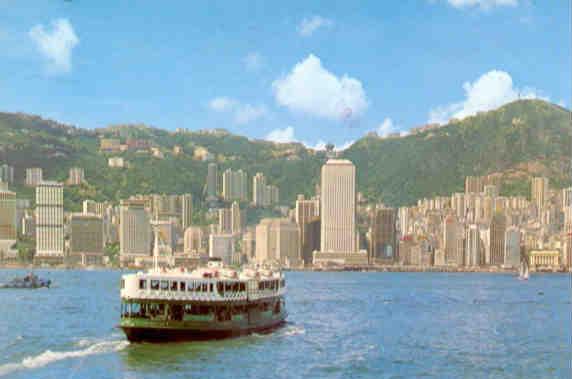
<point x="168" y="334"/>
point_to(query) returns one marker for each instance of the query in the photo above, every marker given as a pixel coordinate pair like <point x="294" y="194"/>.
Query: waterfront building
<point x="539" y="192"/>
<point x="544" y="259"/>
<point x="212" y="182"/>
<point x="473" y="246"/>
<point x="383" y="234"/>
<point x="305" y="212"/>
<point x="76" y="176"/>
<point x="497" y="241"/>
<point x="221" y="246"/>
<point x="512" y="247"/>
<point x="6" y="174"/>
<point x="34" y="176"/>
<point x="278" y="240"/>
<point x="86" y="239"/>
<point x="8" y="230"/>
<point x="474" y="184"/>
<point x="453" y="241"/>
<point x="49" y="222"/>
<point x="134" y="231"/>
<point x="338" y="238"/>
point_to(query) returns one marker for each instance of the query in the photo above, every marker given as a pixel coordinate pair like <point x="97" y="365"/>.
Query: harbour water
<point x="340" y="325"/>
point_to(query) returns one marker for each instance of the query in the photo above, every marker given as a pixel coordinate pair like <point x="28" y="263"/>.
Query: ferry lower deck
<point x="157" y="321"/>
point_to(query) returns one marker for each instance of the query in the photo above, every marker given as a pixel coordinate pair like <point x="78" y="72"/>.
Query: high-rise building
<point x="186" y="210"/>
<point x="7" y="214"/>
<point x="249" y="243"/>
<point x="497" y="241"/>
<point x="383" y="234"/>
<point x="236" y="218"/>
<point x="278" y="239"/>
<point x="473" y="246"/>
<point x="474" y="184"/>
<point x="224" y="221"/>
<point x="6" y="174"/>
<point x="491" y="190"/>
<point x="221" y="246"/>
<point x="86" y="238"/>
<point x="258" y="189"/>
<point x="338" y="207"/>
<point x="34" y="176"/>
<point x="76" y="176"/>
<point x="307" y="211"/>
<point x="539" y="192"/>
<point x="458" y="205"/>
<point x="212" y="181"/>
<point x="49" y="222"/>
<point x="195" y="240"/>
<point x="512" y="247"/>
<point x="453" y="241"/>
<point x="566" y="197"/>
<point x="234" y="185"/>
<point x="134" y="230"/>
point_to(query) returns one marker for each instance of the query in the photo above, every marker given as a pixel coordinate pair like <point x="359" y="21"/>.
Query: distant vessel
<point x="523" y="273"/>
<point x="206" y="303"/>
<point x="30" y="281"/>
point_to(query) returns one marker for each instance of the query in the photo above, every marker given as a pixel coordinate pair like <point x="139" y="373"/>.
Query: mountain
<point x="523" y="138"/>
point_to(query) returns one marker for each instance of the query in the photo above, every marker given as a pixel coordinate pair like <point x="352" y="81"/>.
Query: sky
<point x="310" y="71"/>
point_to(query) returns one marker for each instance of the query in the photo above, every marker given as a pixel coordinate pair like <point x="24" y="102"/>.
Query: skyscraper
<point x="186" y="210"/>
<point x="497" y="241"/>
<point x="212" y="181"/>
<point x="307" y="211"/>
<point x="134" y="230"/>
<point x="473" y="246"/>
<point x="34" y="176"/>
<point x="6" y="174"/>
<point x="277" y="239"/>
<point x="383" y="223"/>
<point x="539" y="192"/>
<point x="7" y="214"/>
<point x="338" y="207"/>
<point x="234" y="185"/>
<point x="512" y="247"/>
<point x="50" y="222"/>
<point x="76" y="176"/>
<point x="86" y="238"/>
<point x="258" y="189"/>
<point x="453" y="241"/>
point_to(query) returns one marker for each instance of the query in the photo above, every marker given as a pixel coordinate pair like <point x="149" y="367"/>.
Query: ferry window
<point x="142" y="284"/>
<point x="260" y="286"/>
<point x="154" y="284"/>
<point x="242" y="287"/>
<point x="174" y="285"/>
<point x="164" y="285"/>
<point x="211" y="287"/>
<point x="227" y="287"/>
<point x="190" y="287"/>
<point x="182" y="286"/>
<point x="204" y="287"/>
<point x="220" y="288"/>
<point x="187" y="309"/>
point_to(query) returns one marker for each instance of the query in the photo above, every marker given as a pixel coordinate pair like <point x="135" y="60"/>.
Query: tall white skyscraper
<point x="338" y="207"/>
<point x="50" y="221"/>
<point x="134" y="230"/>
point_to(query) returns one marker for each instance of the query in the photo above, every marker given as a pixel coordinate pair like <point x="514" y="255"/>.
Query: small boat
<point x="523" y="273"/>
<point x="30" y="281"/>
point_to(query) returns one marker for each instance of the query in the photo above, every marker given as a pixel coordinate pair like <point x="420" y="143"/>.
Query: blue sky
<point x="324" y="71"/>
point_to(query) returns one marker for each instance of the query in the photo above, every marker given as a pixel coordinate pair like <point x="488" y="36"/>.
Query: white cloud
<point x="56" y="45"/>
<point x="246" y="113"/>
<point x="309" y="25"/>
<point x="321" y="145"/>
<point x="483" y="4"/>
<point x="490" y="91"/>
<point x="220" y="104"/>
<point x="242" y="113"/>
<point x="386" y="127"/>
<point x="281" y="135"/>
<point x="253" y="61"/>
<point x="310" y="88"/>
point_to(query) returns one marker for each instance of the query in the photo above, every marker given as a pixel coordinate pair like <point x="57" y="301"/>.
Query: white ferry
<point x="206" y="303"/>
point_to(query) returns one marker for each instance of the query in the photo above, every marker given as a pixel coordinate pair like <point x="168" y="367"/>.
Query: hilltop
<point x="526" y="137"/>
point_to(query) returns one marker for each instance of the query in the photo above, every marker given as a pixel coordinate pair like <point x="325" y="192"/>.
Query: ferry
<point x="209" y="302"/>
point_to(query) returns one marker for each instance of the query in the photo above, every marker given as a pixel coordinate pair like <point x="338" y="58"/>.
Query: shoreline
<point x="393" y="269"/>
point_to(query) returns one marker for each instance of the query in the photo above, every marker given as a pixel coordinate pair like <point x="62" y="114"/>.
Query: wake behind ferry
<point x="206" y="303"/>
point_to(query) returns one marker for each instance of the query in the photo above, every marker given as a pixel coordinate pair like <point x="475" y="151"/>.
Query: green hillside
<point x="522" y="138"/>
